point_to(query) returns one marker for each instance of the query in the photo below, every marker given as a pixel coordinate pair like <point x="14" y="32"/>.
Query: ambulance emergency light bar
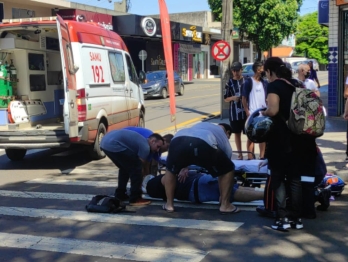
<point x="31" y="19"/>
<point x="80" y="18"/>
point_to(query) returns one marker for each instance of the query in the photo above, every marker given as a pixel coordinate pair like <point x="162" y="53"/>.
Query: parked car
<point x="247" y="70"/>
<point x="156" y="84"/>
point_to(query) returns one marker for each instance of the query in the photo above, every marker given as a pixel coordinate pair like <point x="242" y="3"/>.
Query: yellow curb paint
<point x="186" y="123"/>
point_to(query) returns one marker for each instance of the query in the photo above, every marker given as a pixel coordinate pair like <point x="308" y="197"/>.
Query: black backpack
<point x="105" y="204"/>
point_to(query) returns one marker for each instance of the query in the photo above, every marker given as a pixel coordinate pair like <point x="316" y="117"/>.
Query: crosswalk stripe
<point x="100" y="249"/>
<point x="121" y="219"/>
<point x="88" y="197"/>
<point x="45" y="195"/>
<point x="90" y="171"/>
<point x="112" y="184"/>
<point x="53" y="181"/>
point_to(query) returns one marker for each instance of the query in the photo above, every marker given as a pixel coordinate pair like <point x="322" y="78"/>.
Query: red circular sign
<point x="221" y="50"/>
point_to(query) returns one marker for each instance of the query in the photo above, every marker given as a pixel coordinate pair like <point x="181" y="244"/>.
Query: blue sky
<point x="149" y="7"/>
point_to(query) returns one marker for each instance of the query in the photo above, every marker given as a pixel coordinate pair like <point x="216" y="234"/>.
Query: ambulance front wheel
<point x="141" y="120"/>
<point x="95" y="152"/>
<point x="15" y="154"/>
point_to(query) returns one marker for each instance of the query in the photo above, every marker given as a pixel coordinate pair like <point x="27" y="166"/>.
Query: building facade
<point x="338" y="54"/>
<point x="142" y="33"/>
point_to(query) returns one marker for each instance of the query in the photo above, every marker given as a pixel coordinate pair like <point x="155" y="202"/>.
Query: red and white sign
<point x="82" y="15"/>
<point x="221" y="50"/>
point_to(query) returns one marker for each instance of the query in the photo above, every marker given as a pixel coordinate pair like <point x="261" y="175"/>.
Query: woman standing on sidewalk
<point x="279" y="147"/>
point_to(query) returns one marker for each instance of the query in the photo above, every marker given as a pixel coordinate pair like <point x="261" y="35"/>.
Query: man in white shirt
<point x="304" y="72"/>
<point x="254" y="97"/>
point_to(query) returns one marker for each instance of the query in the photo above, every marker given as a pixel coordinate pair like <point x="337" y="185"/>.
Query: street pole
<point x="226" y="29"/>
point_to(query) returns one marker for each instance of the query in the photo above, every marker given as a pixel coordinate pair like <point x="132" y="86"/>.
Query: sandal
<point x="240" y="157"/>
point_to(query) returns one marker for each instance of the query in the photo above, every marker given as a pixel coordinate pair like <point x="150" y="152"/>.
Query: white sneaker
<point x="145" y="181"/>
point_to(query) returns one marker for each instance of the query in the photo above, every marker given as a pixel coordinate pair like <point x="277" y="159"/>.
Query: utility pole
<point x="226" y="29"/>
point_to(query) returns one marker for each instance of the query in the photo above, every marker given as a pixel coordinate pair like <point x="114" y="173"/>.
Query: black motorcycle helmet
<point x="258" y="127"/>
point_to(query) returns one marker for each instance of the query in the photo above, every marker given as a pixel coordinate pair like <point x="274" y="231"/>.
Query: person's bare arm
<point x="245" y="105"/>
<point x="232" y="98"/>
<point x="345" y="116"/>
<point x="272" y="105"/>
<point x="345" y="91"/>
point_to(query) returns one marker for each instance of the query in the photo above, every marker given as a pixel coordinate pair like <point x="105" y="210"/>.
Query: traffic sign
<point x="221" y="50"/>
<point x="142" y="55"/>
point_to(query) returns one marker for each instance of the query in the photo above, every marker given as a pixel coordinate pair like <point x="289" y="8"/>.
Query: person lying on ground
<point x="198" y="188"/>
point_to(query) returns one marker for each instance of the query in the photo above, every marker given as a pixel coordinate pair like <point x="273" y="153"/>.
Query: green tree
<point x="312" y="38"/>
<point x="264" y="22"/>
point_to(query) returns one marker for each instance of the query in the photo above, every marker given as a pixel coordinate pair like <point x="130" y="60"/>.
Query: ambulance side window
<point x="117" y="66"/>
<point x="70" y="60"/>
<point x="131" y="70"/>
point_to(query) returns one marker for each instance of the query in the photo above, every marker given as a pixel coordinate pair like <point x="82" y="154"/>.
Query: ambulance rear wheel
<point x="95" y="152"/>
<point x="15" y="154"/>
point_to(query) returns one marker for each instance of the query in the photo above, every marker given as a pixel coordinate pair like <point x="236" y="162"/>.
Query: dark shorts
<point x="185" y="151"/>
<point x="238" y="126"/>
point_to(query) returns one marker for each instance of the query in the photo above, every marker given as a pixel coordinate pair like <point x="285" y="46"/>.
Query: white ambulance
<point x="62" y="83"/>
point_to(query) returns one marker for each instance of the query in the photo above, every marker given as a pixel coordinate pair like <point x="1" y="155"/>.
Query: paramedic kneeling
<point x="205" y="145"/>
<point x="128" y="150"/>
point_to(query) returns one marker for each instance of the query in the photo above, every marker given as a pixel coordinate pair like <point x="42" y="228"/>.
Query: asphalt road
<point x="43" y="217"/>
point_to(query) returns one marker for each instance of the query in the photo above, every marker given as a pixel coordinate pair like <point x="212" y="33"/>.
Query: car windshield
<point x="155" y="76"/>
<point x="247" y="68"/>
<point x="297" y="63"/>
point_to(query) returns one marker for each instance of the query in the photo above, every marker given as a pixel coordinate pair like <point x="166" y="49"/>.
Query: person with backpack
<point x="254" y="97"/>
<point x="232" y="95"/>
<point x="279" y="151"/>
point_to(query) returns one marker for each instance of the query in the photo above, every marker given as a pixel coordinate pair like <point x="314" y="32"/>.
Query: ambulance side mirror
<point x="142" y="77"/>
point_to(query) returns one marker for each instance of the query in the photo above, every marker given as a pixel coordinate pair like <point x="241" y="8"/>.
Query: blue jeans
<point x="208" y="190"/>
<point x="130" y="167"/>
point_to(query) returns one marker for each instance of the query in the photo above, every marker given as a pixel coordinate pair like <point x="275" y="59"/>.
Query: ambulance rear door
<point x="69" y="80"/>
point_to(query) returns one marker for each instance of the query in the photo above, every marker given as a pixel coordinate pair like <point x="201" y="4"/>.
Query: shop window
<point x="36" y="61"/>
<point x="37" y="82"/>
<point x="117" y="67"/>
<point x="22" y="13"/>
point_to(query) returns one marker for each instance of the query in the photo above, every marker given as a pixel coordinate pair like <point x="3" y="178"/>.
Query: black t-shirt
<point x="155" y="188"/>
<point x="279" y="144"/>
<point x="284" y="147"/>
<point x="304" y="155"/>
